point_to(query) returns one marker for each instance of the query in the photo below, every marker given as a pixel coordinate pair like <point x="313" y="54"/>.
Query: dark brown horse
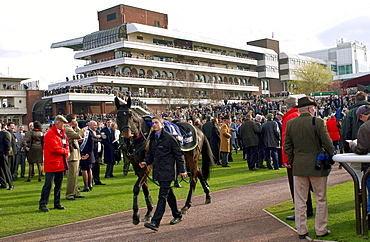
<point x="135" y="132"/>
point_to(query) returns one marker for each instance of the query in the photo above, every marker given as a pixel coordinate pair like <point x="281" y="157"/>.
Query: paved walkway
<point x="235" y="214"/>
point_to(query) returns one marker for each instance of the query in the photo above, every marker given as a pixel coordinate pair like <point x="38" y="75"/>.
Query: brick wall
<point x="32" y="97"/>
<point x="128" y="14"/>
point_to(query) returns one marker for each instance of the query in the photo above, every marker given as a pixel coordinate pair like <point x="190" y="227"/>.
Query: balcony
<point x="12" y="93"/>
<point x="112" y="80"/>
<point x="135" y="45"/>
<point x="195" y="66"/>
<point x="13" y="111"/>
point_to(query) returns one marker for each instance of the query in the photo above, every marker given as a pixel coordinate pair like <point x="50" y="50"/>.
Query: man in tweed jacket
<point x="301" y="147"/>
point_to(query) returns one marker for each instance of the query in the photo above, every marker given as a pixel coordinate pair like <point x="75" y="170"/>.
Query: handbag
<point x="117" y="155"/>
<point x="323" y="157"/>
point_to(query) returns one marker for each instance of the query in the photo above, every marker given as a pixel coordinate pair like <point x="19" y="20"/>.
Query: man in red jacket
<point x="292" y="113"/>
<point x="333" y="130"/>
<point x="56" y="152"/>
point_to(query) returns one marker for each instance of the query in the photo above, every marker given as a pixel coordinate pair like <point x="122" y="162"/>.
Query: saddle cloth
<point x="189" y="134"/>
<point x="184" y="132"/>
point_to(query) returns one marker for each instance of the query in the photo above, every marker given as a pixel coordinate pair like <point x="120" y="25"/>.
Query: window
<point x="126" y="70"/>
<point x="140" y="37"/>
<point x="157" y="23"/>
<point x="141" y="73"/>
<point x="265" y="85"/>
<point x="118" y="54"/>
<point x="162" y="42"/>
<point x="202" y="78"/>
<point x="105" y="37"/>
<point x="111" y="16"/>
<point x="156" y="74"/>
<point x="346" y="69"/>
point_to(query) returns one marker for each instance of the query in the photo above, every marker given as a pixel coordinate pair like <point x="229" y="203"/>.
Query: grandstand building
<point x="135" y="52"/>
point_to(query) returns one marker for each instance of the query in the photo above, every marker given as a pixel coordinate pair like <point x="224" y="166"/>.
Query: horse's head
<point x="127" y="120"/>
<point x="123" y="117"/>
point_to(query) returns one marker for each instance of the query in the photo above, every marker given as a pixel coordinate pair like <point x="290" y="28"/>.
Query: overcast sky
<point x="28" y="28"/>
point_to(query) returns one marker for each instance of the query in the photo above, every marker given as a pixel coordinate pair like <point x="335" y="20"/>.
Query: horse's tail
<point x="207" y="158"/>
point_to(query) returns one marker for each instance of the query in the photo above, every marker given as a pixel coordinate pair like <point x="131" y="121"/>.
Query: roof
<point x="301" y="57"/>
<point x="77" y="43"/>
<point x="141" y="28"/>
<point x="362" y="80"/>
<point x="13" y="79"/>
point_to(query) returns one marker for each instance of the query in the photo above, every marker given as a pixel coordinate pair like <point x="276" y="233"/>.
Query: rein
<point x="141" y="139"/>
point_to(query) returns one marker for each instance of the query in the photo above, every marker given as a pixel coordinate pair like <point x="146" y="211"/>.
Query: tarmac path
<point x="235" y="214"/>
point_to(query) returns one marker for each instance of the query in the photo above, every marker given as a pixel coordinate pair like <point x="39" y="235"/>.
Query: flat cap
<point x="60" y="118"/>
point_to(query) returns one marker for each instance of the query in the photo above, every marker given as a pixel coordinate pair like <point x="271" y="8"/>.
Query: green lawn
<point x="341" y="214"/>
<point x="20" y="206"/>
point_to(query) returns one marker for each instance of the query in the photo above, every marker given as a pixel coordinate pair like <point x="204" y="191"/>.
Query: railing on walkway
<point x="360" y="194"/>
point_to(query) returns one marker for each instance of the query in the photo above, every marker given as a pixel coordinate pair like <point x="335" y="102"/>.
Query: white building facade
<point x="151" y="61"/>
<point x="348" y="59"/>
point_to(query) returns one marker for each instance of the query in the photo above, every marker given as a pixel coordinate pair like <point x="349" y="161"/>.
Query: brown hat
<point x="305" y="101"/>
<point x="60" y="118"/>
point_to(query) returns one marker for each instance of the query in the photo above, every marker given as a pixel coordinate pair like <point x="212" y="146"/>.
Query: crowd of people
<point x="78" y="151"/>
<point x="271" y="134"/>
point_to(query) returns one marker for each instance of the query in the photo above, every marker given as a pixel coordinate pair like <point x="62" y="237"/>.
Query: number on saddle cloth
<point x="189" y="133"/>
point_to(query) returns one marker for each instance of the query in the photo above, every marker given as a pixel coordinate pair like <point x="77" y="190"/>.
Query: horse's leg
<point x="193" y="183"/>
<point x="148" y="200"/>
<point x="205" y="186"/>
<point x="135" y="205"/>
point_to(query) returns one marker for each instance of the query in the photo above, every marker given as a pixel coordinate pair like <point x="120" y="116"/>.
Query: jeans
<point x="271" y="152"/>
<point x="225" y="158"/>
<point x="20" y="160"/>
<point x="336" y="146"/>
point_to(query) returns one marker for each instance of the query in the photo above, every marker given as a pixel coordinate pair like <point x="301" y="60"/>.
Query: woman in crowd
<point x="116" y="142"/>
<point x="215" y="141"/>
<point x="87" y="155"/>
<point x="35" y="142"/>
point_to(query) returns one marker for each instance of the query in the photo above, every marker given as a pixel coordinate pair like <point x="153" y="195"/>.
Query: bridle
<point x="134" y="140"/>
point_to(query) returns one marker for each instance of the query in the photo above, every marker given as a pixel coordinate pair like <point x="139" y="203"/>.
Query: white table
<point x="360" y="195"/>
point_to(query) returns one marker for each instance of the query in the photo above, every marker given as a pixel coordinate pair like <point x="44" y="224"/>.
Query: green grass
<point x="341" y="214"/>
<point x="20" y="212"/>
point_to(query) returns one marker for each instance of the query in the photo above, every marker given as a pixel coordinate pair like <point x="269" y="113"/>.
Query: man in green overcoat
<point x="302" y="144"/>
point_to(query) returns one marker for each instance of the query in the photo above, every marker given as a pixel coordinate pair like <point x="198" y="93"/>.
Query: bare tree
<point x="167" y="99"/>
<point x="188" y="91"/>
<point x="216" y="95"/>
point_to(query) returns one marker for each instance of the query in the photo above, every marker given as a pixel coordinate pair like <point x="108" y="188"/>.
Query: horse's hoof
<point x="147" y="218"/>
<point x="136" y="220"/>
<point x="184" y="210"/>
<point x="208" y="201"/>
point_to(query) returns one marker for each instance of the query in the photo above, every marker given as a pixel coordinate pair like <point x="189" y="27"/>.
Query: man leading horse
<point x="165" y="152"/>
